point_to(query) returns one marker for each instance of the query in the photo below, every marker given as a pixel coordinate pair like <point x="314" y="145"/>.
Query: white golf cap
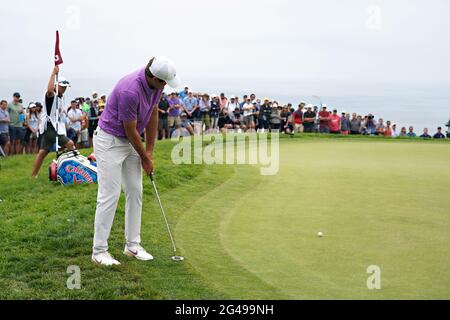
<point x="164" y="69"/>
<point x="63" y="82"/>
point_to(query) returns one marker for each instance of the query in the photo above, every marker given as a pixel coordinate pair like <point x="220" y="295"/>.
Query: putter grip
<point x="151" y="176"/>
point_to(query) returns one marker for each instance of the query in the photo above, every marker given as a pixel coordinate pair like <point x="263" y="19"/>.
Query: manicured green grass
<point x="379" y="202"/>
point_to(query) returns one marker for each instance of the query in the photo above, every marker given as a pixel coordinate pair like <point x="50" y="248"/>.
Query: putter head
<point x="177" y="258"/>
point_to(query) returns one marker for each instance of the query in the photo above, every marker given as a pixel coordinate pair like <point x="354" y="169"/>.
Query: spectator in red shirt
<point x="324" y="117"/>
<point x="335" y="123"/>
<point x="298" y="118"/>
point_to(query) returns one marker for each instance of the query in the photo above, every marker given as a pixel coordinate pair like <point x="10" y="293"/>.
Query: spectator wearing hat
<point x="439" y="134"/>
<point x="232" y="105"/>
<point x="4" y="127"/>
<point x="186" y="124"/>
<point x="32" y="129"/>
<point x="335" y="123"/>
<point x="52" y="124"/>
<point x="324" y="118"/>
<point x="223" y="101"/>
<point x="16" y="129"/>
<point x="425" y="134"/>
<point x="95" y="96"/>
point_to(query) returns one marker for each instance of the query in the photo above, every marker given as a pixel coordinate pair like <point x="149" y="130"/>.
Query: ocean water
<point x="420" y="106"/>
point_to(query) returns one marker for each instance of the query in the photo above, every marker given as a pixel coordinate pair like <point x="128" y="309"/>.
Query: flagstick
<point x="57" y="116"/>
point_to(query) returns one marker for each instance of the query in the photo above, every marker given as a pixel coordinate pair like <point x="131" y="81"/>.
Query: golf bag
<point x="72" y="168"/>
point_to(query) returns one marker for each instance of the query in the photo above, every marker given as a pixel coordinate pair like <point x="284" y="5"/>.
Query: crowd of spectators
<point x="19" y="125"/>
<point x="189" y="113"/>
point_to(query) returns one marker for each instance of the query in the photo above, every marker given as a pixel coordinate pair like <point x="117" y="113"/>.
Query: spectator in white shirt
<point x="75" y="116"/>
<point x="232" y="105"/>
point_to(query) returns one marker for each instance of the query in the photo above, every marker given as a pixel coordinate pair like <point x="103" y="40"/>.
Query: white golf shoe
<point x="104" y="259"/>
<point x="137" y="252"/>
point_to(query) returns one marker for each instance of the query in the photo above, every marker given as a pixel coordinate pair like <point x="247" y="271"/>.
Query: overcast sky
<point x="377" y="41"/>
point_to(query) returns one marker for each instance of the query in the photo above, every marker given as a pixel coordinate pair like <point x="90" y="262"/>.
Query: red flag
<point x="58" y="57"/>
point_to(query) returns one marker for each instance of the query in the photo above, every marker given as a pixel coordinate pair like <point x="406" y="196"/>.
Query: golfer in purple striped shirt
<point x="130" y="110"/>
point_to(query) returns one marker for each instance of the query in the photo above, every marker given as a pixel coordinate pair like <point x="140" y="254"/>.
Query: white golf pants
<point x="118" y="167"/>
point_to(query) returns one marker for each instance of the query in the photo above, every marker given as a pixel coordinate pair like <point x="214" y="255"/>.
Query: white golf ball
<point x="320" y="234"/>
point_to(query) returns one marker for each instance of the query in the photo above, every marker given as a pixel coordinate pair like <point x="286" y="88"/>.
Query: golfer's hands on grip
<point x="147" y="164"/>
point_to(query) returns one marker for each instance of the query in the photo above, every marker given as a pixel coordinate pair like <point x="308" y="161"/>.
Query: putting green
<point x="378" y="203"/>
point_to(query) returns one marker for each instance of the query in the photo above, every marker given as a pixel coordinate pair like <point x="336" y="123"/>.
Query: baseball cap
<point x="16" y="94"/>
<point x="164" y="69"/>
<point x="32" y="105"/>
<point x="63" y="82"/>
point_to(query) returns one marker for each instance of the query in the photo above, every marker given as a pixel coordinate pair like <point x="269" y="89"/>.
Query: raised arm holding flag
<point x="58" y="61"/>
<point x="51" y="127"/>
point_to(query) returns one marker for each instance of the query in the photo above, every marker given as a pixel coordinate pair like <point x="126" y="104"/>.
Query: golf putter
<point x="175" y="257"/>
